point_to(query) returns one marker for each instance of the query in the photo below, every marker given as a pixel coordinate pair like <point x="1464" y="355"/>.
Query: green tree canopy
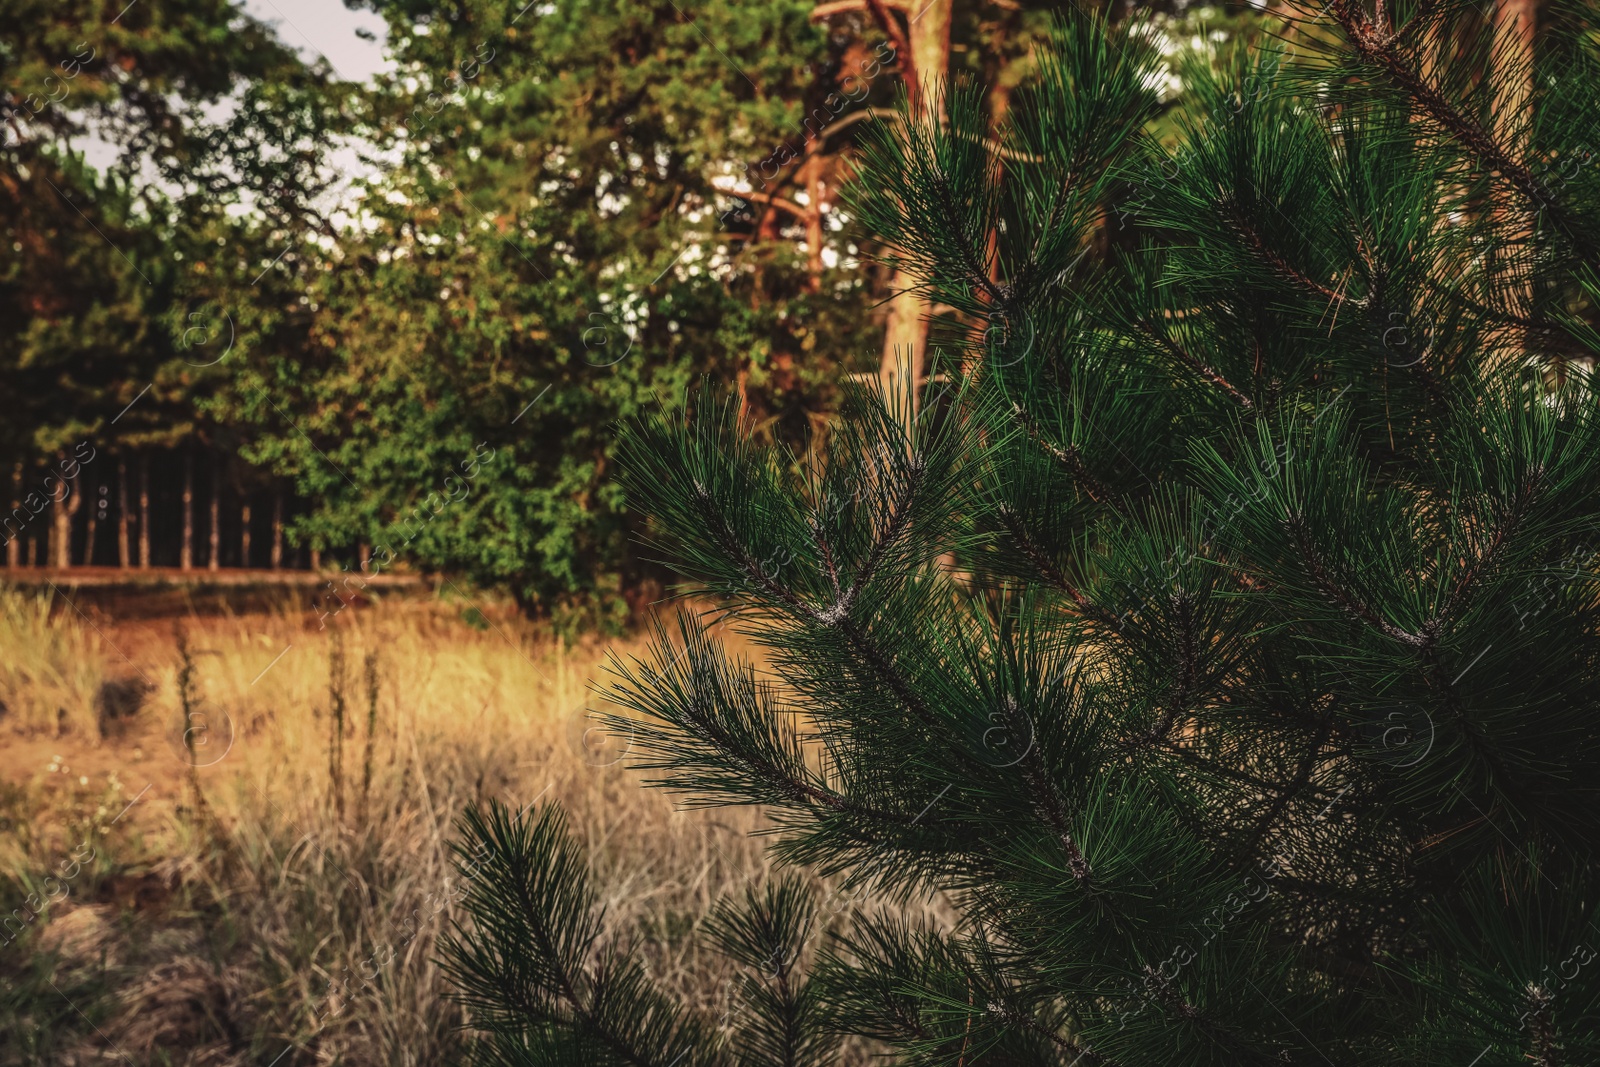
<point x="1223" y="643"/>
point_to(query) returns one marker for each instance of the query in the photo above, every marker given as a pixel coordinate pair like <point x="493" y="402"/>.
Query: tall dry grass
<point x="50" y="666"/>
<point x="279" y="890"/>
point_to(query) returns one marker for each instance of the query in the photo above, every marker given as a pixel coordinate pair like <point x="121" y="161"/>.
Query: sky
<point x="314" y="28"/>
<point x="326" y="28"/>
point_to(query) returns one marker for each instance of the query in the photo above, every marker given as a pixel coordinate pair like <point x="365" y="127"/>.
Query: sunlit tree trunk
<point x="66" y="510"/>
<point x="244" y="533"/>
<point x="1515" y="22"/>
<point x="814" y="222"/>
<point x="214" y="558"/>
<point x="277" y="530"/>
<point x="13" y="540"/>
<point x="906" y="334"/>
<point x="144" y="511"/>
<point x="124" y="556"/>
<point x="186" y="551"/>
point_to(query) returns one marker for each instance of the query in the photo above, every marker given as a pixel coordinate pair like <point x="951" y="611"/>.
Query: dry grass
<point x="50" y="671"/>
<point x="287" y="894"/>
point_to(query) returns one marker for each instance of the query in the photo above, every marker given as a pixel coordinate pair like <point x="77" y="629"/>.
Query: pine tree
<point x="1222" y="639"/>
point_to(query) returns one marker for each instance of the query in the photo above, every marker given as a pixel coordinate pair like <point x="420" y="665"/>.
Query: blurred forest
<point x="302" y="321"/>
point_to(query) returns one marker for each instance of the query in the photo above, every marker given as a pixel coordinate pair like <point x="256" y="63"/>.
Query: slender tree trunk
<point x="244" y="533"/>
<point x="124" y="556"/>
<point x="364" y="555"/>
<point x="13" y="543"/>
<point x="902" y="366"/>
<point x="277" y="530"/>
<point x="66" y="510"/>
<point x="186" y="551"/>
<point x="1515" y="22"/>
<point x="214" y="559"/>
<point x="814" y="222"/>
<point x="316" y="558"/>
<point x="91" y="527"/>
<point x="144" y="511"/>
<point x="33" y="551"/>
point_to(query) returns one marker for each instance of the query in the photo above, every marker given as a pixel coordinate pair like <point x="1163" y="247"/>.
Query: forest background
<point x="292" y="319"/>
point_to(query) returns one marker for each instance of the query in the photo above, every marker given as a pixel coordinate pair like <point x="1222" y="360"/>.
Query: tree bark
<point x="186" y="551"/>
<point x="13" y="540"/>
<point x="277" y="530"/>
<point x="91" y="527"/>
<point x="904" y="361"/>
<point x="1515" y="22"/>
<point x="66" y="510"/>
<point x="144" y="511"/>
<point x="244" y="533"/>
<point x="124" y="556"/>
<point x="813" y="220"/>
<point x="214" y="558"/>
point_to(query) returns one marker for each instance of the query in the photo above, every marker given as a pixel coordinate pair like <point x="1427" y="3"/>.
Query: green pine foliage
<point x="1220" y="635"/>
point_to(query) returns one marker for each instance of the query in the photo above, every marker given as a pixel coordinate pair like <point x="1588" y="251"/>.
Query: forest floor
<point x="252" y="866"/>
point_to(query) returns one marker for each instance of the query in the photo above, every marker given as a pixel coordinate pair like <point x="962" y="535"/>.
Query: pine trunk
<point x="66" y="510"/>
<point x="13" y="545"/>
<point x="814" y="223"/>
<point x="214" y="558"/>
<point x="1514" y="24"/>
<point x="186" y="552"/>
<point x="277" y="530"/>
<point x="124" y="556"/>
<point x="144" y="511"/>
<point x="903" y="364"/>
<point x="244" y="533"/>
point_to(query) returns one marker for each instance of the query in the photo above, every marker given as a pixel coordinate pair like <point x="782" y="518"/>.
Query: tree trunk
<point x="316" y="558"/>
<point x="1515" y="22"/>
<point x="903" y="364"/>
<point x="33" y="551"/>
<point x="66" y="510"/>
<point x="13" y="545"/>
<point x="186" y="551"/>
<point x="364" y="555"/>
<point x="144" y="511"/>
<point x="814" y="222"/>
<point x="277" y="530"/>
<point x="91" y="526"/>
<point x="214" y="559"/>
<point x="124" y="556"/>
<point x="244" y="533"/>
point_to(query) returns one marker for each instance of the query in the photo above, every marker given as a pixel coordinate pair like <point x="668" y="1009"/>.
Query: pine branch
<point x="976" y="272"/>
<point x="1346" y="601"/>
<point x="1012" y="1017"/>
<point x="1048" y="570"/>
<point x="898" y="525"/>
<point x="1377" y="47"/>
<point x="1242" y="226"/>
<point x="1182" y="355"/>
<point x="1070" y="458"/>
